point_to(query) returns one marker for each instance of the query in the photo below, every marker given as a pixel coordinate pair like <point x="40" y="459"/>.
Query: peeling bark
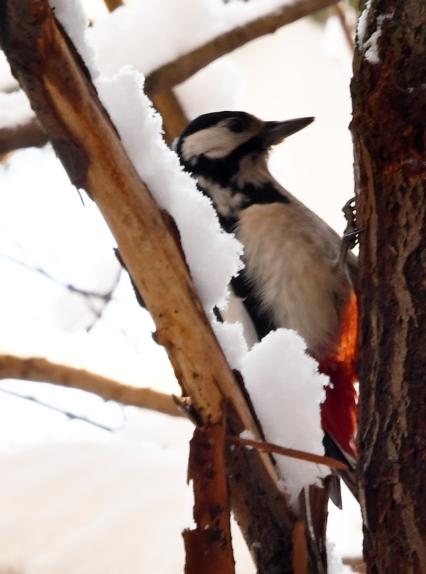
<point x="389" y="99"/>
<point x="208" y="546"/>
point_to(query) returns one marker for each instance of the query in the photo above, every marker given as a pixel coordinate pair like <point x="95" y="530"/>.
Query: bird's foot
<point x="351" y="233"/>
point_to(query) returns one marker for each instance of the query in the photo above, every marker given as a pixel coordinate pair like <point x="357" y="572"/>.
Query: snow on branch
<point x="182" y="68"/>
<point x="38" y="369"/>
<point x="116" y="153"/>
<point x="60" y="89"/>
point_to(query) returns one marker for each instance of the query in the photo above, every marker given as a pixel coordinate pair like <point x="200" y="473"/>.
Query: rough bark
<point x="389" y="100"/>
<point x="59" y="88"/>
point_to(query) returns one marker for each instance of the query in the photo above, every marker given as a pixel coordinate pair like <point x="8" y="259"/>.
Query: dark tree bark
<point x="389" y="99"/>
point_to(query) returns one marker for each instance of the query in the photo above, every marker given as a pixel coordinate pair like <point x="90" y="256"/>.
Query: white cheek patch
<point x="215" y="143"/>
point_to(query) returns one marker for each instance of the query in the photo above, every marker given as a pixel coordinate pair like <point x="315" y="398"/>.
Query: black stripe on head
<point x="221" y="170"/>
<point x="238" y="122"/>
<point x="208" y="120"/>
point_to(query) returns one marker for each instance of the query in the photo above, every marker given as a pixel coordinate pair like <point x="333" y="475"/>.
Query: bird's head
<point x="218" y="141"/>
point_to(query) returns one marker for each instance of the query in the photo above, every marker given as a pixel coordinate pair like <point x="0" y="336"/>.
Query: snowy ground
<point x="85" y="500"/>
<point x="76" y="498"/>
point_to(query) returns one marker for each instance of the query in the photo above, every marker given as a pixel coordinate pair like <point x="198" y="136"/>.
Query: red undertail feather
<point x="338" y="412"/>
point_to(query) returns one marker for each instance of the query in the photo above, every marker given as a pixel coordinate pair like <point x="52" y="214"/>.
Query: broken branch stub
<point x="208" y="546"/>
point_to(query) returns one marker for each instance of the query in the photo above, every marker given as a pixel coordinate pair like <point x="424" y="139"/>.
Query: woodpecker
<point x="298" y="272"/>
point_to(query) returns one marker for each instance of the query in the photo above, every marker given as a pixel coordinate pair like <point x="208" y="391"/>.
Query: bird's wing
<point x="261" y="320"/>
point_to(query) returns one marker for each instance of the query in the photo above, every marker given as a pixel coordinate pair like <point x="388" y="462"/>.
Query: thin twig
<point x="106" y="301"/>
<point x="290" y="452"/>
<point x="349" y="35"/>
<point x="68" y="286"/>
<point x="68" y="414"/>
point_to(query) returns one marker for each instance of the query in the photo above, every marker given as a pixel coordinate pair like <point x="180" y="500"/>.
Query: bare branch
<point x="68" y="286"/>
<point x="291" y="452"/>
<point x="208" y="546"/>
<point x="181" y="69"/>
<point x="349" y="34"/>
<point x="41" y="370"/>
<point x="106" y="300"/>
<point x="22" y="136"/>
<point x="174" y="118"/>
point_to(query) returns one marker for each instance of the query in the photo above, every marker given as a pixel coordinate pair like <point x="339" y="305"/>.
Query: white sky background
<point x="299" y="71"/>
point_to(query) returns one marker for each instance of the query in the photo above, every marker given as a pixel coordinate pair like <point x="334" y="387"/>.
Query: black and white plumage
<point x="291" y="277"/>
<point x="294" y="275"/>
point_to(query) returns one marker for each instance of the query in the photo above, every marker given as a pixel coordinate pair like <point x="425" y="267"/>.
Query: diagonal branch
<point x="187" y="65"/>
<point x="291" y="452"/>
<point x="349" y="34"/>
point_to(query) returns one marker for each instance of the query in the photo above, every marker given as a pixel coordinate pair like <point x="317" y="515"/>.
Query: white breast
<point x="290" y="256"/>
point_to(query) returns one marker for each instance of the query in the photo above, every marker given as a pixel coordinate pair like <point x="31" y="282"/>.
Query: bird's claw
<point x="351" y="233"/>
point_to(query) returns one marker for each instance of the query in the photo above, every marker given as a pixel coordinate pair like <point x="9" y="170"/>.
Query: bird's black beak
<point x="275" y="132"/>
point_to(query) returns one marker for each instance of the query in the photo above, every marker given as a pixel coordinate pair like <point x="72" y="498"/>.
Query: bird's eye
<point x="237" y="125"/>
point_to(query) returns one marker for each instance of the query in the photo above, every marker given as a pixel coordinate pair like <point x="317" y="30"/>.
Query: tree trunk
<point x="389" y="99"/>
